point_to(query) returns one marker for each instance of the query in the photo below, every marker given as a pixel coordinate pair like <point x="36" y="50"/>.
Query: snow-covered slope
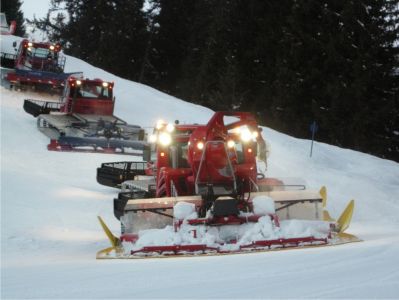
<point x="50" y="234"/>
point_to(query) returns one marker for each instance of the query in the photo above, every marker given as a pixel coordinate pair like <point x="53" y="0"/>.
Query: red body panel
<point x="84" y="96"/>
<point x="88" y="106"/>
<point x="13" y="78"/>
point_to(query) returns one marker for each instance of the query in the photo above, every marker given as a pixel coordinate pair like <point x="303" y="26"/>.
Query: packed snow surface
<point x="50" y="202"/>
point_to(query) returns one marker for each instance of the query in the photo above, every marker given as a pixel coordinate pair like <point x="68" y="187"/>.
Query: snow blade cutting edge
<point x="200" y="229"/>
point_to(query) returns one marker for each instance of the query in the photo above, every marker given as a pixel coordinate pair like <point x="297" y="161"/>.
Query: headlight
<point x="200" y="145"/>
<point x="230" y="144"/>
<point x="51" y="47"/>
<point x="255" y="134"/>
<point x="236" y="130"/>
<point x="246" y="135"/>
<point x="78" y="82"/>
<point x="105" y="84"/>
<point x="30" y="44"/>
<point x="165" y="139"/>
<point x="170" y="127"/>
<point x="160" y="124"/>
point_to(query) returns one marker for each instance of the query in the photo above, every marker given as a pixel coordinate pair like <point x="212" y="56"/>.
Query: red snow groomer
<point x="83" y="120"/>
<point x="206" y="197"/>
<point x="39" y="66"/>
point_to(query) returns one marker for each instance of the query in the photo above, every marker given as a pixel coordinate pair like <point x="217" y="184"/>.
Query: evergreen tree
<point x="171" y="41"/>
<point x="12" y="9"/>
<point x="212" y="82"/>
<point x="335" y="64"/>
<point x="109" y="34"/>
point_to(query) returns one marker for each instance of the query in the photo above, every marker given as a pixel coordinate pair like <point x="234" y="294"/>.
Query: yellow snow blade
<point x="105" y="252"/>
<point x="347" y="238"/>
<point x="323" y="194"/>
<point x="326" y="214"/>
<point x="327" y="217"/>
<point x="113" y="239"/>
<point x="346" y="217"/>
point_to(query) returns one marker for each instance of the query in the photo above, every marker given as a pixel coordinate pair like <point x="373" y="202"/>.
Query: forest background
<point x="290" y="62"/>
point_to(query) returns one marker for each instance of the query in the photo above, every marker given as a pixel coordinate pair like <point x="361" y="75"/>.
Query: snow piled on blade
<point x="155" y="237"/>
<point x="227" y="237"/>
<point x="263" y="205"/>
<point x="183" y="210"/>
<point x="303" y="228"/>
<point x="50" y="202"/>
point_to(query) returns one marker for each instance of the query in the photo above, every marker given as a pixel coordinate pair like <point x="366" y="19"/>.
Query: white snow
<point x="50" y="233"/>
<point x="151" y="237"/>
<point x="263" y="205"/>
<point x="300" y="228"/>
<point x="182" y="210"/>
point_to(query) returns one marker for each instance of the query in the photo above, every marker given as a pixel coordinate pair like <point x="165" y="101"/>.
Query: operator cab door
<point x="180" y="169"/>
<point x="178" y="155"/>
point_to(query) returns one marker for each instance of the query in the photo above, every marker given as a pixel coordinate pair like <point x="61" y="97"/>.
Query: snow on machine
<point x="205" y="197"/>
<point x="83" y="120"/>
<point x="35" y="65"/>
